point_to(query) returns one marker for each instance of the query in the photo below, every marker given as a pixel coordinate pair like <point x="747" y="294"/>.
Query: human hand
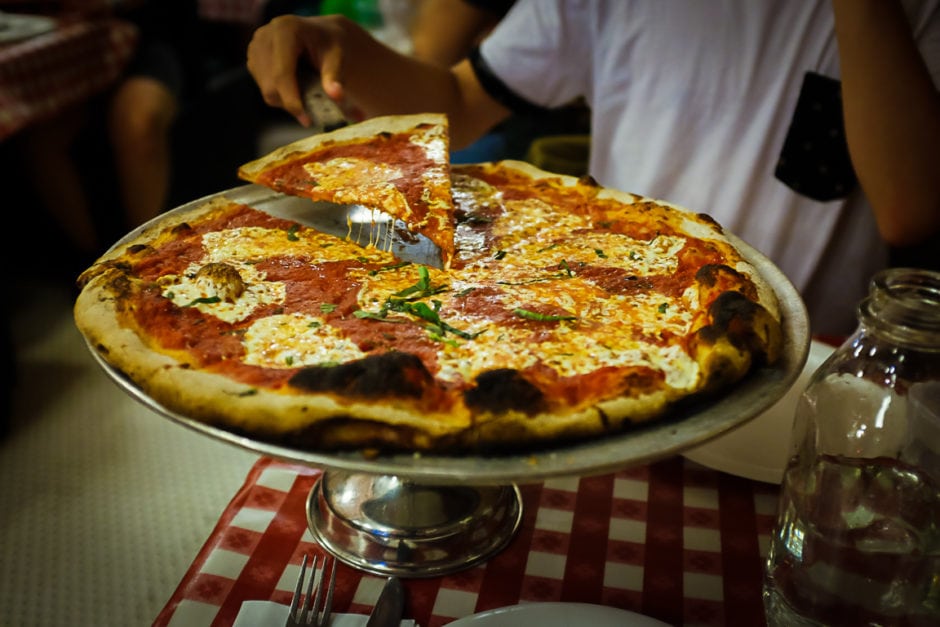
<point x="278" y="48"/>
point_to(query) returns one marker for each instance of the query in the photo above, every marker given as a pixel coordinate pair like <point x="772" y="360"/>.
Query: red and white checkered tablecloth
<point x="671" y="540"/>
<point x="46" y="74"/>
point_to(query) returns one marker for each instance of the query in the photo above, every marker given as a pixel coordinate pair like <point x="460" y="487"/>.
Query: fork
<point x="311" y="612"/>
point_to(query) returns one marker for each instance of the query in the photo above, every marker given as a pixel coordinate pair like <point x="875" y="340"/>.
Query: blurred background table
<point x="672" y="540"/>
<point x="46" y="74"/>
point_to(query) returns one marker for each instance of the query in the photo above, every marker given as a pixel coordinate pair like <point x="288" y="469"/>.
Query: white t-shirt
<point x="691" y="102"/>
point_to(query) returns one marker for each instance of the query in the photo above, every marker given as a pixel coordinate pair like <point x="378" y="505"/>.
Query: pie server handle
<point x="323" y="112"/>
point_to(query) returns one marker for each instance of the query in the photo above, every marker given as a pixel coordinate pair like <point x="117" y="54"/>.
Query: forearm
<point x="892" y="118"/>
<point x="444" y="30"/>
<point x="380" y="81"/>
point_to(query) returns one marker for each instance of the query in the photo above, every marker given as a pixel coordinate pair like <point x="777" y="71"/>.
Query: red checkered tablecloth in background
<point x="671" y="540"/>
<point x="48" y="73"/>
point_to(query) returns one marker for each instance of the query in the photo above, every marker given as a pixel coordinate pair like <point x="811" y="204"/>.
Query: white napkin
<point x="271" y="614"/>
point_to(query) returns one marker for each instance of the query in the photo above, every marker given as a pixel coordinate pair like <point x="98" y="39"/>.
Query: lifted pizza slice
<point x="396" y="164"/>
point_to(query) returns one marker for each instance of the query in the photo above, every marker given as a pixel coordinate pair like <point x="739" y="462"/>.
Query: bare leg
<point x="57" y="181"/>
<point x="141" y="115"/>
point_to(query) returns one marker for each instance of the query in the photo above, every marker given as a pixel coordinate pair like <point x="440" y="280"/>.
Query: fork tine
<point x="309" y="611"/>
<point x="308" y="597"/>
<point x="298" y="589"/>
<point x="324" y="618"/>
<point x="292" y="615"/>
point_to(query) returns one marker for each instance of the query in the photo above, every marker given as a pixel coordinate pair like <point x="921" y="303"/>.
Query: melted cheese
<point x="525" y="221"/>
<point x="541" y="275"/>
<point x="189" y="290"/>
<point x="351" y="179"/>
<point x="239" y="248"/>
<point x="599" y="337"/>
<point x="294" y="340"/>
<point x="504" y="348"/>
<point x="258" y="243"/>
<point x="537" y="268"/>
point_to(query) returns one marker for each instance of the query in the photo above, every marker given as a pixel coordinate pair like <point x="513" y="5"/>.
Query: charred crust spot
<point x="121" y="286"/>
<point x="605" y="419"/>
<point x="107" y="269"/>
<point x="710" y="220"/>
<point x="731" y="306"/>
<point x="588" y="181"/>
<point x="709" y="274"/>
<point x="394" y="374"/>
<point x="181" y="228"/>
<point x="502" y="390"/>
<point x="136" y="249"/>
<point x="385" y="135"/>
<point x="733" y="316"/>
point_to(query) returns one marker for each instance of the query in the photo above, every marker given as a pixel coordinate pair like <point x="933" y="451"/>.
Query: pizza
<point x="396" y="163"/>
<point x="567" y="311"/>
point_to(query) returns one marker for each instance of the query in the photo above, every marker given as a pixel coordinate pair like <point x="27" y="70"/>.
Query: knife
<point x="390" y="606"/>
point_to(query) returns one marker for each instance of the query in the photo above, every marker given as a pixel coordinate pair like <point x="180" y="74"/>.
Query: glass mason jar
<point x="857" y="540"/>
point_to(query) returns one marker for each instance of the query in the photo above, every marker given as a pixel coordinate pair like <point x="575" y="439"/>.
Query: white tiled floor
<point x="103" y="503"/>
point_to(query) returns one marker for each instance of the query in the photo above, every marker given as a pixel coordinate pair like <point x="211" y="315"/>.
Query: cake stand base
<point x="388" y="525"/>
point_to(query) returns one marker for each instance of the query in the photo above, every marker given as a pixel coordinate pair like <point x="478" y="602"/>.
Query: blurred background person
<point x="111" y="163"/>
<point x="135" y="116"/>
<point x="443" y="32"/>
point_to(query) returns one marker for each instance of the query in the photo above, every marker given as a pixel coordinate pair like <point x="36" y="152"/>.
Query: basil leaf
<point x="208" y="300"/>
<point x="539" y="317"/>
<point x="423" y="287"/>
<point x="421" y="310"/>
<point x="371" y="315"/>
<point x="390" y="267"/>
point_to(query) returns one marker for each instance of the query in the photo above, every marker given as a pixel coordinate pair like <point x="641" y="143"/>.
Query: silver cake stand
<point x="422" y="515"/>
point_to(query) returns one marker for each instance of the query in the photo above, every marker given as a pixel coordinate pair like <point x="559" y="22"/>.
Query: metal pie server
<point x="323" y="112"/>
<point x="390" y="606"/>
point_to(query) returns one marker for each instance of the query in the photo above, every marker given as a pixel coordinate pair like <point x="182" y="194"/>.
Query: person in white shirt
<point x="809" y="129"/>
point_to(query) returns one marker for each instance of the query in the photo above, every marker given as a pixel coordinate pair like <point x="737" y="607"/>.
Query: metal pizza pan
<point x="637" y="445"/>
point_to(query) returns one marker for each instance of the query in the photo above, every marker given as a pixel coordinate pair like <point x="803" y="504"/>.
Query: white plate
<point x="16" y="26"/>
<point x="759" y="449"/>
<point x="557" y="615"/>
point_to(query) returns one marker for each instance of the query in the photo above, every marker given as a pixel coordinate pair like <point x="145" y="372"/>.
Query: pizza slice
<point x="396" y="164"/>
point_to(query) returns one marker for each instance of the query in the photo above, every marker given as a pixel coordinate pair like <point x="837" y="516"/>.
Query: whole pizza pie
<point x="558" y="309"/>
